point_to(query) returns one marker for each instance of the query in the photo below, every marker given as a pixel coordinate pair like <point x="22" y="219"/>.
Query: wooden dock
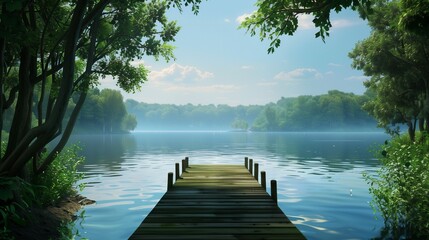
<point x="217" y="202"/>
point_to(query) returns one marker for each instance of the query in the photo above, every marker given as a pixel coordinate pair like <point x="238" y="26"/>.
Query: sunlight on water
<point x="319" y="175"/>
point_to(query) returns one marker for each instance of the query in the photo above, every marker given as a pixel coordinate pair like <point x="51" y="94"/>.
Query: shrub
<point x="401" y="188"/>
<point x="16" y="195"/>
<point x="60" y="177"/>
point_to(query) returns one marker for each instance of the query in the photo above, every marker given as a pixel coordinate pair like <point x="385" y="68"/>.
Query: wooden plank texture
<point x="216" y="202"/>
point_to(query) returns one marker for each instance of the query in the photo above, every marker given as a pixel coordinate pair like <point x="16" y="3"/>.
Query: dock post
<point x="177" y="171"/>
<point x="187" y="161"/>
<point x="246" y="162"/>
<point x="257" y="171"/>
<point x="183" y="165"/>
<point x="274" y="190"/>
<point x="251" y="166"/>
<point x="264" y="180"/>
<point x="170" y="181"/>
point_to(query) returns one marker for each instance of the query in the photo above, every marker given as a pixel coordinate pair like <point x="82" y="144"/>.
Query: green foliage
<point x="400" y="189"/>
<point x="105" y="112"/>
<point x="129" y="123"/>
<point x="53" y="50"/>
<point x="189" y="116"/>
<point x="333" y="111"/>
<point x="114" y="110"/>
<point x="60" y="177"/>
<point x="240" y="124"/>
<point x="67" y="230"/>
<point x="396" y="60"/>
<point x="415" y="16"/>
<point x="16" y="196"/>
<point x="274" y="19"/>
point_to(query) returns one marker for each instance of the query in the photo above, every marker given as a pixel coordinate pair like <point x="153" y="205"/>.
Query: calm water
<point x="320" y="184"/>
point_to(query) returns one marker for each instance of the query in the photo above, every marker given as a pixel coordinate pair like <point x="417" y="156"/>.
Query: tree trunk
<point x="66" y="135"/>
<point x="411" y="131"/>
<point x="22" y="149"/>
<point x="20" y="125"/>
<point x="2" y="96"/>
<point x="72" y="120"/>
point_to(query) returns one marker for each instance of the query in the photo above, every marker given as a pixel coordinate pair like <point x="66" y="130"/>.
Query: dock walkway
<point x="217" y="202"/>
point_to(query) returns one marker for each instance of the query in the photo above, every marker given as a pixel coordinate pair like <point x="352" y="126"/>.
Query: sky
<point x="217" y="63"/>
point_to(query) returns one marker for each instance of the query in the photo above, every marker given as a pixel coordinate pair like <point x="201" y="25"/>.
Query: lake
<point x="319" y="177"/>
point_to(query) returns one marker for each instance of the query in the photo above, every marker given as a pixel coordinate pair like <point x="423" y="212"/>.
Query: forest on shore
<point x="333" y="111"/>
<point x="107" y="112"/>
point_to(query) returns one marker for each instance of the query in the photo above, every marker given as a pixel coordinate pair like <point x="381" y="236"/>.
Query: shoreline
<point x="45" y="223"/>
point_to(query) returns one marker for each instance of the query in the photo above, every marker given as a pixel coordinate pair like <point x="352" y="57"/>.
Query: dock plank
<point x="216" y="202"/>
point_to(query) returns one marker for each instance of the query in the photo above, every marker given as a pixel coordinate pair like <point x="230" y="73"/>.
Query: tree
<point x="396" y="60"/>
<point x="240" y="124"/>
<point x="271" y="117"/>
<point x="129" y="122"/>
<point x="415" y="16"/>
<point x="105" y="112"/>
<point x="91" y="114"/>
<point x="114" y="110"/>
<point x="51" y="49"/>
<point x="274" y="19"/>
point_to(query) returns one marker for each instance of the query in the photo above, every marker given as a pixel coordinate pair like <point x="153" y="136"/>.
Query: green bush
<point x="16" y="195"/>
<point x="400" y="189"/>
<point x="60" y="177"/>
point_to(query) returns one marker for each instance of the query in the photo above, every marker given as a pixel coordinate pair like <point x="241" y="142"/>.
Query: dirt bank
<point x="44" y="222"/>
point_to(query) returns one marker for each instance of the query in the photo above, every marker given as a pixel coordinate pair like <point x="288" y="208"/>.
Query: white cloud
<point x="246" y="67"/>
<point x="227" y="20"/>
<point x="243" y="17"/>
<point x="305" y="22"/>
<point x="343" y="23"/>
<point x="298" y="74"/>
<point x="177" y="72"/>
<point x="335" y="65"/>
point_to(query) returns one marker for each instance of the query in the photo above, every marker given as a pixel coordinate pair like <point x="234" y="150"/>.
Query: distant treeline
<point x="334" y="111"/>
<point x="189" y="117"/>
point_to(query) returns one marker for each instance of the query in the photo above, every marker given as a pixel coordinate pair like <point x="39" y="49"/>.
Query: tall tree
<point x="397" y="61"/>
<point x="114" y="110"/>
<point x="42" y="45"/>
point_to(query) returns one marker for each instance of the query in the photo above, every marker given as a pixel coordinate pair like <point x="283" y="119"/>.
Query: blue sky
<point x="217" y="63"/>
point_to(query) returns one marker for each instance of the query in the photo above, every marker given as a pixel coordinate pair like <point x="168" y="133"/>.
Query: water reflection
<point x="126" y="175"/>
<point x="337" y="151"/>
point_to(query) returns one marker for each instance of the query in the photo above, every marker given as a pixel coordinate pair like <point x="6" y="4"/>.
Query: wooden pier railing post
<point x="183" y="165"/>
<point x="274" y="190"/>
<point x="177" y="171"/>
<point x="264" y="180"/>
<point x="251" y="166"/>
<point x="170" y="181"/>
<point x="246" y="162"/>
<point x="257" y="171"/>
<point x="186" y="162"/>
